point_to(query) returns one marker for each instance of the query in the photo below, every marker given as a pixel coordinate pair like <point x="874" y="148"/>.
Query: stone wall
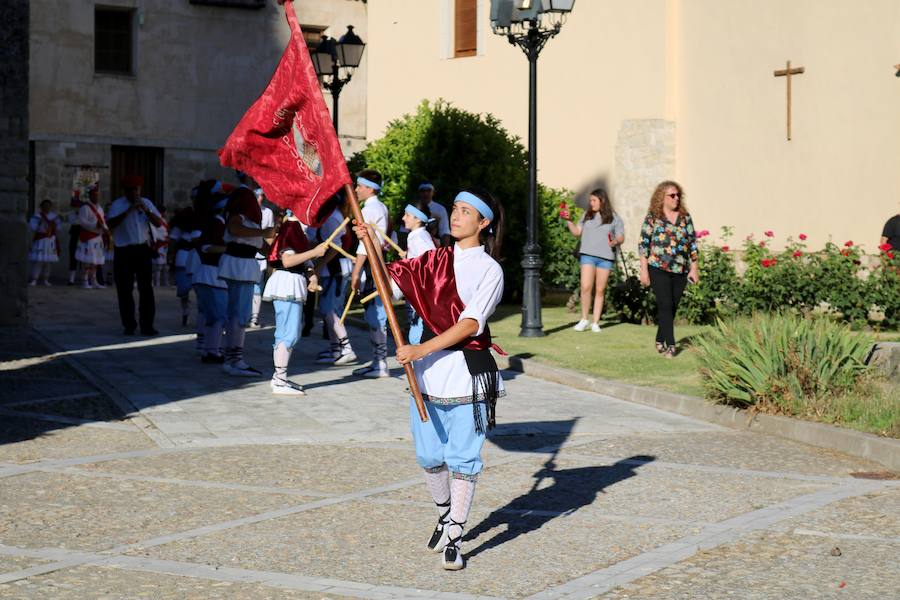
<point x="645" y="156"/>
<point x="14" y="158"/>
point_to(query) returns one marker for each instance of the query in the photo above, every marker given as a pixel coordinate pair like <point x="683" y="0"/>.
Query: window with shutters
<point x="465" y="28"/>
<point x="114" y="40"/>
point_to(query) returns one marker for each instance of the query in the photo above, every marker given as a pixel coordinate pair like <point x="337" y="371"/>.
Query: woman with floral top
<point x="668" y="251"/>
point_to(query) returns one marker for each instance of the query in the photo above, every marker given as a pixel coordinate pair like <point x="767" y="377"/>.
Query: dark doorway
<point x="145" y="161"/>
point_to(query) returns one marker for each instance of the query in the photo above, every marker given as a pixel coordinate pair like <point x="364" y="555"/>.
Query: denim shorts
<point x="600" y="263"/>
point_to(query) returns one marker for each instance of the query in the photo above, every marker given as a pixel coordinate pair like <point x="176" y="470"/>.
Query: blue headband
<point x="478" y="203"/>
<point x="425" y="186"/>
<point x="418" y="214"/>
<point x="368" y="182"/>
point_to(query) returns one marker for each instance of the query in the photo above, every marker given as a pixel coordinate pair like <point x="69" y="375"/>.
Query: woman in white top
<point x="455" y="289"/>
<point x="45" y="244"/>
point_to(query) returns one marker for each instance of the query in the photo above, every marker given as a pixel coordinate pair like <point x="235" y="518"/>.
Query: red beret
<point x="132" y="181"/>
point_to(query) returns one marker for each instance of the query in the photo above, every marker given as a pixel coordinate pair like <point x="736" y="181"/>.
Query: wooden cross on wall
<point x="788" y="72"/>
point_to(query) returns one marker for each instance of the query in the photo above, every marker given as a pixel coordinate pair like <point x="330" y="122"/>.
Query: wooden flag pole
<point x="384" y="290"/>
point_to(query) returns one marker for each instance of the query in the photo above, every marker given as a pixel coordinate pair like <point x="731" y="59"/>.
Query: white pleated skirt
<point x="91" y="252"/>
<point x="284" y="285"/>
<point x="44" y="250"/>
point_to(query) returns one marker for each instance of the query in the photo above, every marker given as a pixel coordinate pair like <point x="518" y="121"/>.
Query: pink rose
<point x="802" y="237"/>
<point x="770" y="234"/>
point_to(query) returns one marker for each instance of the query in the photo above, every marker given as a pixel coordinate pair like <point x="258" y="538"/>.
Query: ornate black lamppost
<point x="332" y="56"/>
<point x="528" y="24"/>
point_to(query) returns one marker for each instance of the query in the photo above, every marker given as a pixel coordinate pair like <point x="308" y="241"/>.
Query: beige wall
<point x="585" y="88"/>
<point x="198" y="69"/>
<point x="840" y="174"/>
<point x="632" y="91"/>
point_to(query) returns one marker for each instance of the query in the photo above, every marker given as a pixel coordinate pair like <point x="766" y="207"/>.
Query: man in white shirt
<point x="129" y="218"/>
<point x="438" y="212"/>
<point x="374" y="212"/>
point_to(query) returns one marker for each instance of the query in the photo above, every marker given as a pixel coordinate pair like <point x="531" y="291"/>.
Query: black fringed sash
<point x="485" y="379"/>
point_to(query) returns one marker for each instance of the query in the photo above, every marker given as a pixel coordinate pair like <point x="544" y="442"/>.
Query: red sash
<point x="289" y="236"/>
<point x="429" y="285"/>
<point x="84" y="235"/>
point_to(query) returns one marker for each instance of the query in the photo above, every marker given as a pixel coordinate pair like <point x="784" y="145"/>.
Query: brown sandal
<point x="670" y="352"/>
<point x="660" y="347"/>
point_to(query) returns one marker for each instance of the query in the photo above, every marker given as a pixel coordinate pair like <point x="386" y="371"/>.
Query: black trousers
<point x="134" y="262"/>
<point x="668" y="288"/>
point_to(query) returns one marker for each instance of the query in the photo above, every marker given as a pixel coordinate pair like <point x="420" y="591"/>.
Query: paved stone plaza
<point x="130" y="470"/>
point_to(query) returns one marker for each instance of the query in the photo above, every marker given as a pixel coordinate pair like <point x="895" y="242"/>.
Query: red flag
<point x="287" y="142"/>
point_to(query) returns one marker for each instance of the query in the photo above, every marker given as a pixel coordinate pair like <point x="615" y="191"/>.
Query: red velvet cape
<point x="429" y="285"/>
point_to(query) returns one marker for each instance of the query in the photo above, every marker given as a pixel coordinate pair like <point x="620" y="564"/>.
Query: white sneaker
<point x="346" y="357"/>
<point x="595" y="327"/>
<point x="286" y="387"/>
<point x="374" y="371"/>
<point x="32" y="283"/>
<point x="99" y="286"/>
<point x="86" y="285"/>
<point x="581" y="325"/>
<point x="47" y="283"/>
<point x="240" y="369"/>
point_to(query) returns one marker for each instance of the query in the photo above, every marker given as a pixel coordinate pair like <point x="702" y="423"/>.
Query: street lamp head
<point x="557" y="6"/>
<point x="324" y="56"/>
<point x="350" y="49"/>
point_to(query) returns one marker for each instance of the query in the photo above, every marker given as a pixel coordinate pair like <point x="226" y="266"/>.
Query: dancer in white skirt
<point x="239" y="269"/>
<point x="45" y="244"/>
<point x="180" y="235"/>
<point x="91" y="251"/>
<point x="286" y="290"/>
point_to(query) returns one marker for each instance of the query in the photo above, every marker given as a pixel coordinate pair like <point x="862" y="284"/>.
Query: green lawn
<point x="621" y="352"/>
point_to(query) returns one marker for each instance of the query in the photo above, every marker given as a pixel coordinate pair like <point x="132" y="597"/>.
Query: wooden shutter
<point x="466" y="28"/>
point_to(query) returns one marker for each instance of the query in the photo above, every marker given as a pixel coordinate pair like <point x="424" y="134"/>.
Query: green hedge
<point x="456" y="149"/>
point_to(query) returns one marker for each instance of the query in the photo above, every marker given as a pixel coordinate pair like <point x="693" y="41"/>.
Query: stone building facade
<point x="14" y="158"/>
<point x="156" y="86"/>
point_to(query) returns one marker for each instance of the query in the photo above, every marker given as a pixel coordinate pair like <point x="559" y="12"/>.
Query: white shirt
<point x="256" y="242"/>
<point x="87" y="219"/>
<point x="438" y="211"/>
<point x="418" y="242"/>
<point x="375" y="213"/>
<point x="135" y="228"/>
<point x="39" y="225"/>
<point x="443" y="376"/>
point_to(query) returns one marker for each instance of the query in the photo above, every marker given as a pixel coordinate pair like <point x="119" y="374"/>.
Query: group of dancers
<point x="451" y="290"/>
<point x="91" y="243"/>
<point x="224" y="243"/>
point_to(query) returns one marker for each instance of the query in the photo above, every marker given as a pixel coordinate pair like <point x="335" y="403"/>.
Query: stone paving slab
<point x="741" y="450"/>
<point x="385" y="545"/>
<point x="108" y="583"/>
<point x="65" y="511"/>
<point x="16" y="563"/>
<point x="767" y="566"/>
<point x="31" y="440"/>
<point x="876" y="514"/>
<point x="645" y="491"/>
<point x="323" y="468"/>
